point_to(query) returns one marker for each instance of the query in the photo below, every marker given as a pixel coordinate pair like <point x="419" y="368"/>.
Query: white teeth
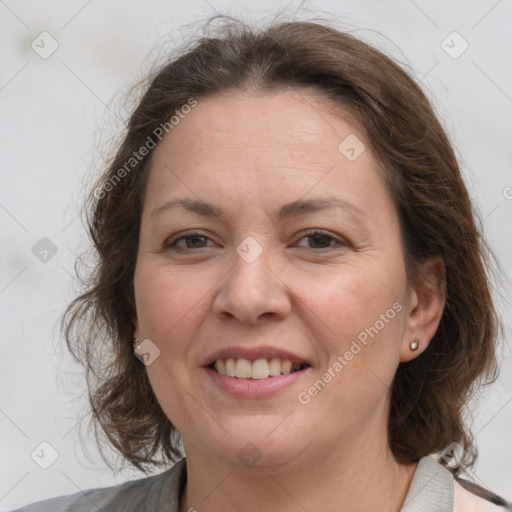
<point x="243" y="368"/>
<point x="220" y="366"/>
<point x="259" y="369"/>
<point x="275" y="366"/>
<point x="286" y="367"/>
<point x="230" y="367"/>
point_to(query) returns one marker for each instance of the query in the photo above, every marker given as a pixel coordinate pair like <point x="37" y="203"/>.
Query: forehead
<point x="277" y="126"/>
<point x="275" y="146"/>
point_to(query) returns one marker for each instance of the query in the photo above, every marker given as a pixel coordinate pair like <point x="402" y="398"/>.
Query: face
<point x="294" y="262"/>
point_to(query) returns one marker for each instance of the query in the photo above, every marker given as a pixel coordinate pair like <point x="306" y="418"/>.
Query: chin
<point x="267" y="445"/>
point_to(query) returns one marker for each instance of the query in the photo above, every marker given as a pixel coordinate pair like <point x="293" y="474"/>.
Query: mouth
<point x="257" y="369"/>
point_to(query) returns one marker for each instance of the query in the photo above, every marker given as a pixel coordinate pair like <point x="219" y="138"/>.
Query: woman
<point x="284" y="243"/>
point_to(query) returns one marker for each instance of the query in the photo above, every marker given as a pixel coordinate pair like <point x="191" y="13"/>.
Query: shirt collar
<point x="432" y="484"/>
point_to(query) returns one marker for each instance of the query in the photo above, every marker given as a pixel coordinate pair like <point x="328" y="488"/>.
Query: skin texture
<point x="250" y="154"/>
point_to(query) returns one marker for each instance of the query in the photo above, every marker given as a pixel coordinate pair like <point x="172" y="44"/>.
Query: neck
<point x="359" y="476"/>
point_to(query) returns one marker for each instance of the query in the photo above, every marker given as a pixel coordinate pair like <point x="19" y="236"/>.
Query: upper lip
<point x="253" y="353"/>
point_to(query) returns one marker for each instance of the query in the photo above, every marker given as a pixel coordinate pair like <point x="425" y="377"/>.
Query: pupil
<point x="194" y="240"/>
<point x="316" y="237"/>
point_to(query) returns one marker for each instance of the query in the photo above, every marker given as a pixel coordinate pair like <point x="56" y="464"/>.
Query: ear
<point x="425" y="308"/>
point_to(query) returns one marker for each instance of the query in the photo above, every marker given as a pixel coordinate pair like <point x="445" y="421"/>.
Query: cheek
<point x="354" y="298"/>
<point x="361" y="312"/>
<point x="359" y="317"/>
<point x="167" y="300"/>
<point x="168" y="309"/>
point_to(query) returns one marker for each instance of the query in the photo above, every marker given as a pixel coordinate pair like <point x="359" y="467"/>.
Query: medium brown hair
<point x="437" y="219"/>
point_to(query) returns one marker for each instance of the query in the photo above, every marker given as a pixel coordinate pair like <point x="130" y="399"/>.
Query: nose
<point x="252" y="291"/>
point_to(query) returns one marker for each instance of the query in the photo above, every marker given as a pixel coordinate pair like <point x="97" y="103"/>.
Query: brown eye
<point x="191" y="241"/>
<point x="322" y="240"/>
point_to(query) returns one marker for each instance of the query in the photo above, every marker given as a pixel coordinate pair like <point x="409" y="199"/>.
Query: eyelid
<point x="317" y="231"/>
<point x="168" y="243"/>
<point x="340" y="241"/>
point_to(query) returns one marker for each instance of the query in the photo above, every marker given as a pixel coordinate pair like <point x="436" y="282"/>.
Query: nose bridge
<point x="250" y="266"/>
<point x="250" y="289"/>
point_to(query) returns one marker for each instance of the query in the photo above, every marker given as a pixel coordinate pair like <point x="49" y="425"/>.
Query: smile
<point x="259" y="369"/>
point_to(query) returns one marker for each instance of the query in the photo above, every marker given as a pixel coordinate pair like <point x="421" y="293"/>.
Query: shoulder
<point x="135" y="495"/>
<point x="466" y="501"/>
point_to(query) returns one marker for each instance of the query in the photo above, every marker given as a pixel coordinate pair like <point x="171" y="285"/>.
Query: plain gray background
<point x="57" y="116"/>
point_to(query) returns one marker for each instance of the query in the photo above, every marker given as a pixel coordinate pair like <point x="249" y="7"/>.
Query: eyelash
<point x="308" y="234"/>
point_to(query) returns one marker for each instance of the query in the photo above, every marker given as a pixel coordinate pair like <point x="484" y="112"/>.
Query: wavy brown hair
<point x="437" y="219"/>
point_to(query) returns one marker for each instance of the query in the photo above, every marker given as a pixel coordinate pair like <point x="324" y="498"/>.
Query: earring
<point x="135" y="341"/>
<point x="414" y="344"/>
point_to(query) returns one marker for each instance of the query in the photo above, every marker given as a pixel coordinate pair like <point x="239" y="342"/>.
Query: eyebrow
<point x="293" y="209"/>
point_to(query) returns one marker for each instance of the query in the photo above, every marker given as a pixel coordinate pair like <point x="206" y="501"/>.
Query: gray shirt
<point x="431" y="489"/>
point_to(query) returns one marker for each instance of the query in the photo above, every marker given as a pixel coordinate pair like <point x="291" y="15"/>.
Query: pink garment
<point x="465" y="501"/>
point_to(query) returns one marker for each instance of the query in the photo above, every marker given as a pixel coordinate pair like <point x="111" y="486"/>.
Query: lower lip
<point x="253" y="388"/>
